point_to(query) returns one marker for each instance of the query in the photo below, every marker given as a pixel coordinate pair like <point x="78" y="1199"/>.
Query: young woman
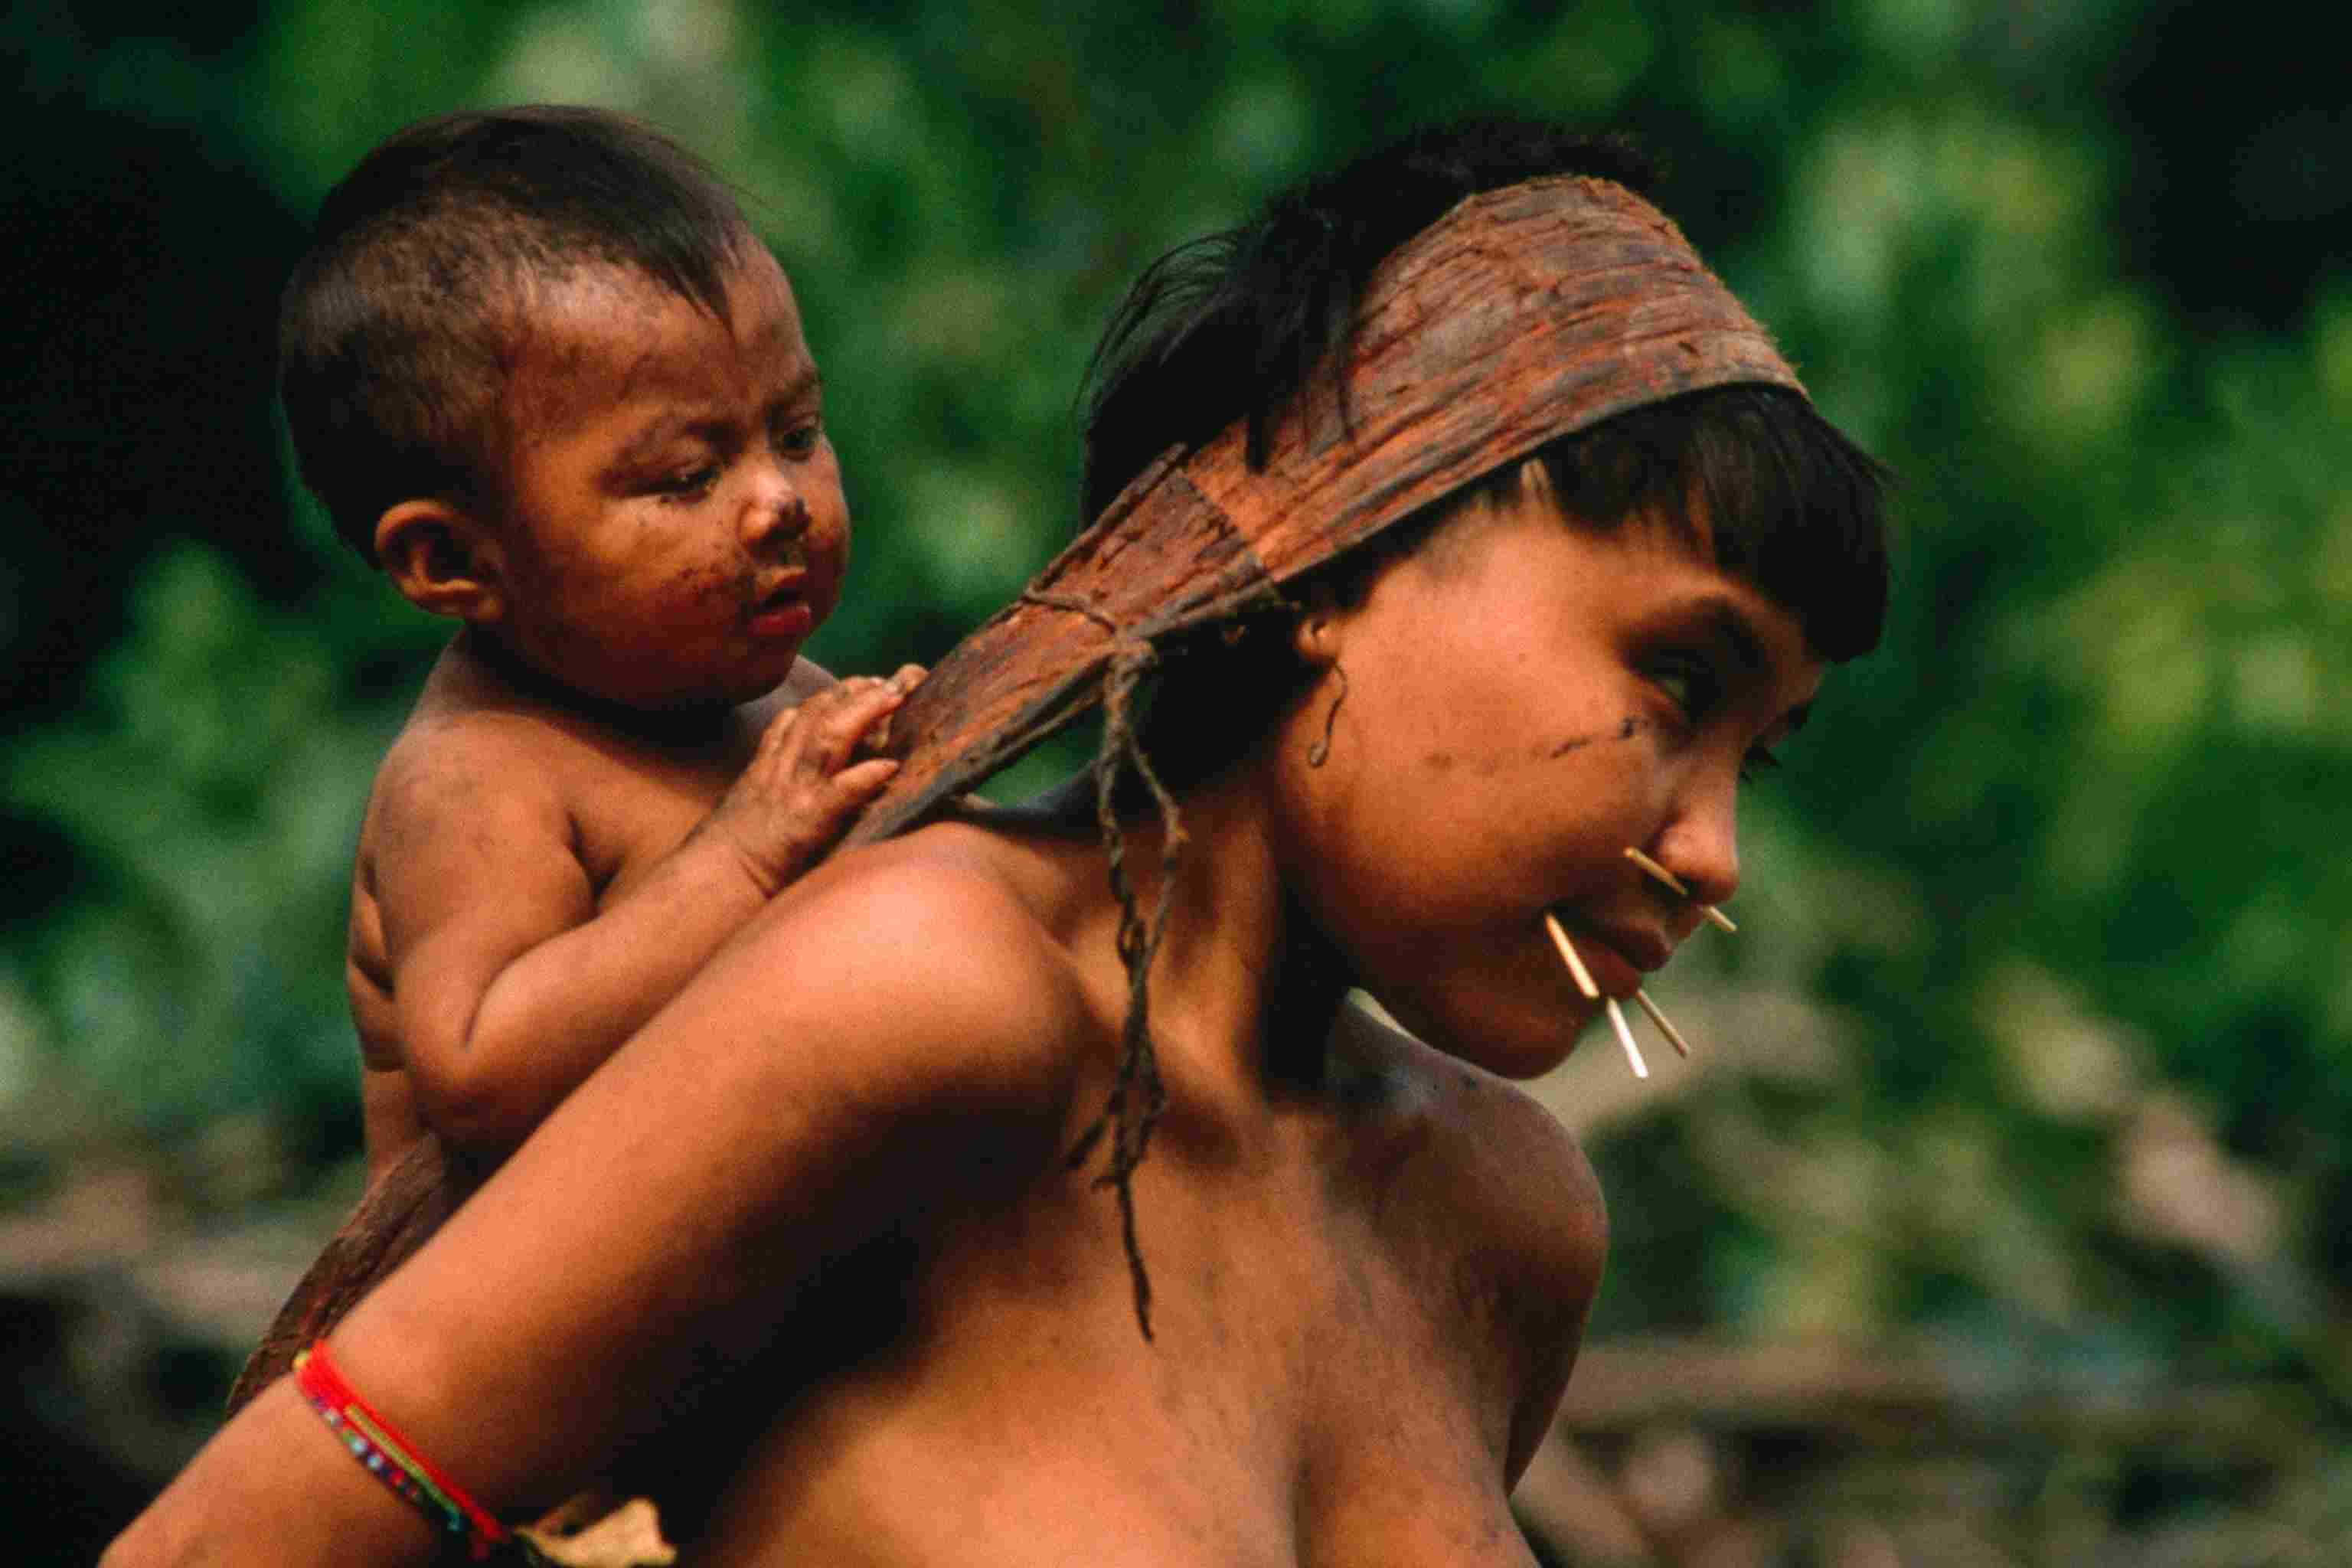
<point x="1477" y="541"/>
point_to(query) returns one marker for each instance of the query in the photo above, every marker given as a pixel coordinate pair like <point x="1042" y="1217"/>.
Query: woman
<point x="1481" y="540"/>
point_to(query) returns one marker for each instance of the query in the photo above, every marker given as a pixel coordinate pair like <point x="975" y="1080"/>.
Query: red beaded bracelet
<point x="392" y="1458"/>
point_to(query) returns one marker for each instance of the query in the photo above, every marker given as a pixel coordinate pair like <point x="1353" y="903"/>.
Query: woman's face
<point x="1524" y="699"/>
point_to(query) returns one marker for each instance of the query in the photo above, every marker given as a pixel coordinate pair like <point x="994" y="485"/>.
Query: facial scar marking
<point x="1631" y="727"/>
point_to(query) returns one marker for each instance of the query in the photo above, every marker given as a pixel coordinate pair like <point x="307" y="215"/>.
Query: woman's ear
<point x="443" y="560"/>
<point x="1320" y="628"/>
<point x="1534" y="483"/>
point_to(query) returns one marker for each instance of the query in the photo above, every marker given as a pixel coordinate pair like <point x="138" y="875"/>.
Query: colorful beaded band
<point x="390" y="1458"/>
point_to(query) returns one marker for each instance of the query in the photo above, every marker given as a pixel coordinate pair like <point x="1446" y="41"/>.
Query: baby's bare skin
<point x="621" y="756"/>
<point x="609" y="771"/>
<point x="553" y="874"/>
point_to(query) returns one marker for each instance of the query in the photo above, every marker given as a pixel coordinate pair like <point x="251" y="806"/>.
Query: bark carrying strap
<point x="1524" y="314"/>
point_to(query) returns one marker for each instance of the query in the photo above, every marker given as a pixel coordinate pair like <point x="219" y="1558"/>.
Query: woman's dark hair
<point x="1237" y="326"/>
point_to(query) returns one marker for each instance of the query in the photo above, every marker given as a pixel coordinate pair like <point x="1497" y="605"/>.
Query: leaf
<point x="576" y="1535"/>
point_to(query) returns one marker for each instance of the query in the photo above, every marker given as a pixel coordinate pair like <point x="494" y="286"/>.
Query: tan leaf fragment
<point x="576" y="1536"/>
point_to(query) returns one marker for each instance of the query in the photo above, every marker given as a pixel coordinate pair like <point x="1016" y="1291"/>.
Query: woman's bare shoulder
<point x="1514" y="1163"/>
<point x="1527" y="1230"/>
<point x="930" y="954"/>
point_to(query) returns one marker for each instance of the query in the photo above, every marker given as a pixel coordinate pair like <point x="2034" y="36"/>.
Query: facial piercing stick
<point x="1576" y="971"/>
<point x="1715" y="917"/>
<point x="1655" y="869"/>
<point x="1583" y="978"/>
<point x="1674" y="1036"/>
<point x="1625" y="1039"/>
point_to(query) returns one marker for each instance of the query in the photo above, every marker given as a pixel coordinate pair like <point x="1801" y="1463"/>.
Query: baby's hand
<point x="801" y="791"/>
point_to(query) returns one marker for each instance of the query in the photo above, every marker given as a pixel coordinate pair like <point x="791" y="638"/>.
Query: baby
<point x="543" y="376"/>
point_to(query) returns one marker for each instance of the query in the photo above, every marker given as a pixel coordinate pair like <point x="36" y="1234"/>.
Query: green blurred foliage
<point x="2060" y="869"/>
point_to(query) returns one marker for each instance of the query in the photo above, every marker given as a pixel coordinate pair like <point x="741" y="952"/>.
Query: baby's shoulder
<point x="473" y="743"/>
<point x="453" y="760"/>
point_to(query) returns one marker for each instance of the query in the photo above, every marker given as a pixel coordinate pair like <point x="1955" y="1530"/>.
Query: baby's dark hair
<point x="1237" y="325"/>
<point x="403" y="320"/>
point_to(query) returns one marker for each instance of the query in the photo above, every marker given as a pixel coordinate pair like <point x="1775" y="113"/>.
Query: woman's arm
<point x="863" y="1042"/>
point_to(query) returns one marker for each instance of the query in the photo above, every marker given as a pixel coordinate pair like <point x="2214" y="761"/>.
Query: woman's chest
<point x="1416" y="1387"/>
<point x="1325" y="1383"/>
<point x="1270" y="1442"/>
<point x="1337" y="1372"/>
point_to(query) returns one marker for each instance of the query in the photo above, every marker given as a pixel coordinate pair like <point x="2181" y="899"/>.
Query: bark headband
<point x="1521" y="315"/>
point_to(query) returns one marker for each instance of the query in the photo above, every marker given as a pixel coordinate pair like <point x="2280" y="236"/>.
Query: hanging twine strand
<point x="1138" y="1095"/>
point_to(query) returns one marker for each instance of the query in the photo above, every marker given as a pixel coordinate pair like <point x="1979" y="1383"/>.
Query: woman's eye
<point x="1689" y="683"/>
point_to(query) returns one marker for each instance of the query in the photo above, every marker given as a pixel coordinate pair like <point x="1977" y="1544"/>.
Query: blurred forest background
<point x="2002" y="1220"/>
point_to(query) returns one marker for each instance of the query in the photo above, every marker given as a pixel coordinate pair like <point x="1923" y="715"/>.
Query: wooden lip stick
<point x="1625" y="1039"/>
<point x="1581" y="975"/>
<point x="1674" y="1036"/>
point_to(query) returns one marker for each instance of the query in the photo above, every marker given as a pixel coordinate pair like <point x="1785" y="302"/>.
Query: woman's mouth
<point x="1608" y="968"/>
<point x="1607" y="963"/>
<point x="1616" y="960"/>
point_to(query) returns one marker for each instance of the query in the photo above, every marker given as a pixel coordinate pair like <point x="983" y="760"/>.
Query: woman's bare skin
<point x="821" y="1212"/>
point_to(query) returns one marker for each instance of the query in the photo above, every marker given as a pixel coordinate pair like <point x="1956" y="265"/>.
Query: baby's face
<point x="673" y="524"/>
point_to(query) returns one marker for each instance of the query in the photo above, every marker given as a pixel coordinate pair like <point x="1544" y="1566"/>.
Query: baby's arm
<point x="510" y="984"/>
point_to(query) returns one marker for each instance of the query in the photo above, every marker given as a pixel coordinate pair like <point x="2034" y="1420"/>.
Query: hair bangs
<point x="1756" y="477"/>
<point x="1796" y="509"/>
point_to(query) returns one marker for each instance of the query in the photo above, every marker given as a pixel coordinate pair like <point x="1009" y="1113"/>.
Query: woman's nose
<point x="1701" y="842"/>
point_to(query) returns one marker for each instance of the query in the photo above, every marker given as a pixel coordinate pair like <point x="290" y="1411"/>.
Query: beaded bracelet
<point x="391" y="1458"/>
